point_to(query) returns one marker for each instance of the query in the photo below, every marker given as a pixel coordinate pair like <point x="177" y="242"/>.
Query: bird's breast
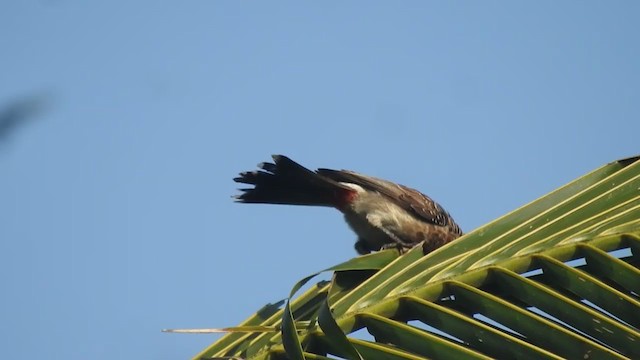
<point x="371" y="212"/>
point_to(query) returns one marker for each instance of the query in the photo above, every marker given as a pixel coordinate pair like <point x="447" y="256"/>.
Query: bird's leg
<point x="394" y="246"/>
<point x="398" y="241"/>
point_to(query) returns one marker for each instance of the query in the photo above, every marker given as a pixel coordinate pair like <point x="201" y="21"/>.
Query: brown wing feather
<point x="415" y="202"/>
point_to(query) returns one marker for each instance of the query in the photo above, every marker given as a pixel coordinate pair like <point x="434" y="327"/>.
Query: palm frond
<point x="557" y="278"/>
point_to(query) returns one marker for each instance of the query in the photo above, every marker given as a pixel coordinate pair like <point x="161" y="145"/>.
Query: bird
<point x="383" y="214"/>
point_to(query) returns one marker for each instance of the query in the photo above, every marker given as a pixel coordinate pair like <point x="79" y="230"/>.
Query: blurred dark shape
<point x="20" y="112"/>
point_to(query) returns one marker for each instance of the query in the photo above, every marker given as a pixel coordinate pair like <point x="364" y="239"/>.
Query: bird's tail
<point x="286" y="182"/>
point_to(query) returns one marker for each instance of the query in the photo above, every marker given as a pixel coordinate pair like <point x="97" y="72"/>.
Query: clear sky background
<point x="115" y="212"/>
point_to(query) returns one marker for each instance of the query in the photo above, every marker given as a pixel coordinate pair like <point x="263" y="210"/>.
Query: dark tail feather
<point x="287" y="182"/>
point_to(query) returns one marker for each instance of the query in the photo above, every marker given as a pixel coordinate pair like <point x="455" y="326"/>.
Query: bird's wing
<point x="413" y="201"/>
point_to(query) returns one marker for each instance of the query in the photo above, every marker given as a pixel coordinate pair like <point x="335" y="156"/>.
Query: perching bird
<point x="383" y="214"/>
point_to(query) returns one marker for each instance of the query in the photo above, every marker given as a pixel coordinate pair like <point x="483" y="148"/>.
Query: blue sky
<point x="115" y="212"/>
